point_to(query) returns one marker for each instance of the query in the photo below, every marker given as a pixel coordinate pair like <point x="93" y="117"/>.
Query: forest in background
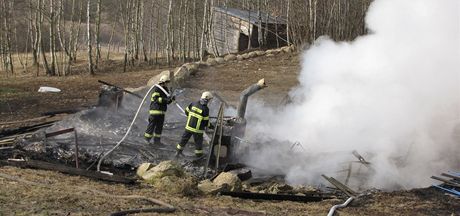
<point x="50" y="36"/>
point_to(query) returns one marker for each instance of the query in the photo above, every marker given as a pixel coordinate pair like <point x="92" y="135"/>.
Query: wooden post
<point x="220" y="122"/>
<point x="211" y="145"/>
<point x="76" y="148"/>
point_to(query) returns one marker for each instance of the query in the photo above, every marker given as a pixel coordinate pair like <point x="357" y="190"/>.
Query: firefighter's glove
<point x="170" y="99"/>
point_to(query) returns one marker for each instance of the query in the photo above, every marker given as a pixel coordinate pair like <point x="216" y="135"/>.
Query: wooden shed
<point x="237" y="30"/>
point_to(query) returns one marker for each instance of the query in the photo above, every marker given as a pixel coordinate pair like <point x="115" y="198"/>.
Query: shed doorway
<point x="243" y="41"/>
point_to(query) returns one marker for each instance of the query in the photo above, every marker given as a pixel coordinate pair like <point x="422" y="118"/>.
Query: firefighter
<point x="197" y="121"/>
<point x="158" y="107"/>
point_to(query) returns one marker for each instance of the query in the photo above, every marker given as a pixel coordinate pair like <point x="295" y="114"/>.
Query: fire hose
<point x="332" y="210"/>
<point x="127" y="132"/>
<point x="206" y="137"/>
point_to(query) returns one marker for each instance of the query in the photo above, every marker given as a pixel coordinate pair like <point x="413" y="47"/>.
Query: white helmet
<point x="164" y="78"/>
<point x="206" y="95"/>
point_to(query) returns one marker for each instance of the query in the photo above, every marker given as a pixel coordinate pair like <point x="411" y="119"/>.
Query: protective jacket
<point x="159" y="101"/>
<point x="197" y="117"/>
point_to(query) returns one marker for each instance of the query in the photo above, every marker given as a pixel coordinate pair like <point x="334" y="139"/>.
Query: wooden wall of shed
<point x="226" y="34"/>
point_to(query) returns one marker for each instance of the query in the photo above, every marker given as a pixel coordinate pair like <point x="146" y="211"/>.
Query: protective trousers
<point x="197" y="137"/>
<point x="155" y="127"/>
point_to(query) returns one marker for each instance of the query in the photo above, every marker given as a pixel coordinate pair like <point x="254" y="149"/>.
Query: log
<point x="34" y="164"/>
<point x="284" y="197"/>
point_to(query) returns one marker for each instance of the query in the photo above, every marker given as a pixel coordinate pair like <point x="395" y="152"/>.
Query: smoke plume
<point x="393" y="95"/>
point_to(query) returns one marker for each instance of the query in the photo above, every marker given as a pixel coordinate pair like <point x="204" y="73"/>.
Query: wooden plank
<point x="25" y="120"/>
<point x="68" y="170"/>
<point x="23" y="130"/>
<point x="446" y="181"/>
<point x="340" y="186"/>
<point x="451" y="176"/>
<point x="59" y="132"/>
<point x="343" y="186"/>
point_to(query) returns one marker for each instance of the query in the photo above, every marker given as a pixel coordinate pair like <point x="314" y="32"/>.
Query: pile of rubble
<point x="171" y="176"/>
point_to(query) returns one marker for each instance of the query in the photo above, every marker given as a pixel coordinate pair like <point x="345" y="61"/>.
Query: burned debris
<point x="451" y="184"/>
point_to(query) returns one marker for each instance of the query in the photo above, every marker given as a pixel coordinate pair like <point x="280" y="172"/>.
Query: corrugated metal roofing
<point x="250" y="15"/>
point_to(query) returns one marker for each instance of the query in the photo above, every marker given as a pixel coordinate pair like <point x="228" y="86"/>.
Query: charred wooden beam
<point x="21" y="130"/>
<point x="129" y="92"/>
<point x="360" y="158"/>
<point x="456" y="178"/>
<point x="33" y="164"/>
<point x="283" y="197"/>
<point x="446" y="181"/>
<point x="56" y="133"/>
<point x="340" y="186"/>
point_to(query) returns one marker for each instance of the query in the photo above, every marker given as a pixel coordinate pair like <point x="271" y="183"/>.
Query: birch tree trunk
<point x="8" y="60"/>
<point x="98" y="27"/>
<point x="42" y="45"/>
<point x="33" y="16"/>
<point x="287" y="23"/>
<point x="168" y="33"/>
<point x="203" y="31"/>
<point x="89" y="40"/>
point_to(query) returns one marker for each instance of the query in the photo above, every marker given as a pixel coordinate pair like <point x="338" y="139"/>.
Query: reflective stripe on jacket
<point x="159" y="101"/>
<point x="197" y="117"/>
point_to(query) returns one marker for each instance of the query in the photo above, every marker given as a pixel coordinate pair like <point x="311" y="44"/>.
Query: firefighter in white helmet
<point x="158" y="106"/>
<point x="197" y="121"/>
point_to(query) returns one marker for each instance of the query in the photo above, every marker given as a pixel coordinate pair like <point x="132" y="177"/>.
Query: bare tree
<point x="7" y="59"/>
<point x="98" y="31"/>
<point x="203" y="31"/>
<point x="89" y="41"/>
<point x="168" y="35"/>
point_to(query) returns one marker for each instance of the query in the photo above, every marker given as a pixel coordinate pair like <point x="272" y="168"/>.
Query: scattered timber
<point x="340" y="186"/>
<point x="457" y="178"/>
<point x="447" y="181"/>
<point x="67" y="170"/>
<point x="26" y="129"/>
<point x="129" y="92"/>
<point x="25" y="120"/>
<point x="211" y="146"/>
<point x="283" y="197"/>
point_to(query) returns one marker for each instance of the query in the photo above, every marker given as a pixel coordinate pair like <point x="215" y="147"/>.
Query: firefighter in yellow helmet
<point x="197" y="121"/>
<point x="158" y="106"/>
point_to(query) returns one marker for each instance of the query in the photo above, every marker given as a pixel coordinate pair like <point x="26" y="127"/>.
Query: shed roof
<point x="250" y="15"/>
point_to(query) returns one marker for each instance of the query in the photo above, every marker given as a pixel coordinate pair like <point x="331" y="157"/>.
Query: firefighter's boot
<point x="179" y="153"/>
<point x="157" y="141"/>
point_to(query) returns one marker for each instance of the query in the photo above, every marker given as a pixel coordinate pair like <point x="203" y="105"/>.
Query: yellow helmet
<point x="206" y="95"/>
<point x="164" y="78"/>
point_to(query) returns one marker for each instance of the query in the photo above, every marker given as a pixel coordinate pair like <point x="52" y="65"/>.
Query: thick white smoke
<point x="393" y="95"/>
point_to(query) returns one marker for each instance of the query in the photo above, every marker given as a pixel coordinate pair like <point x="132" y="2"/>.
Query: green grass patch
<point x="6" y="90"/>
